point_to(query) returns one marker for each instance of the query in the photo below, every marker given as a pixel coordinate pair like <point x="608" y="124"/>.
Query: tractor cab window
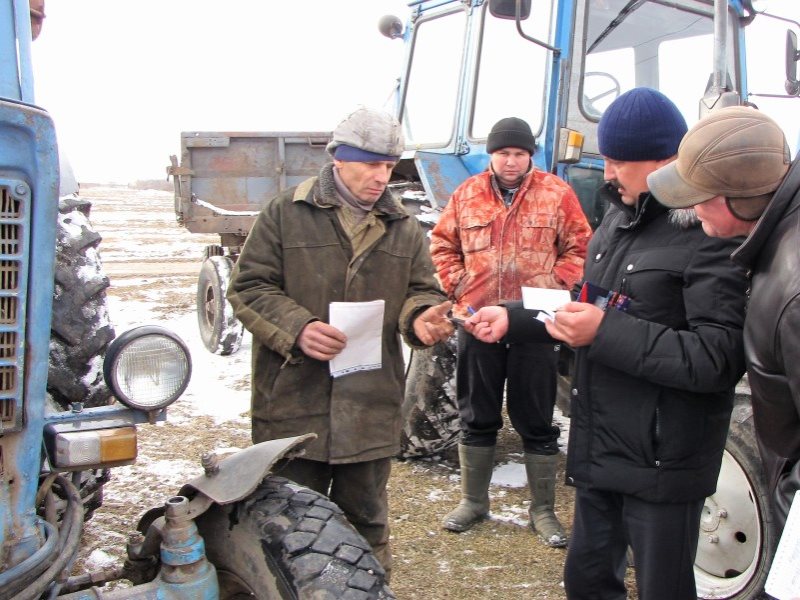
<point x="429" y="107"/>
<point x="512" y="72"/>
<point x="664" y="45"/>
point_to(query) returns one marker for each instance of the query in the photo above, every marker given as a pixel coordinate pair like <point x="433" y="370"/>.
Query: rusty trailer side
<point x="225" y="178"/>
<point x="222" y="182"/>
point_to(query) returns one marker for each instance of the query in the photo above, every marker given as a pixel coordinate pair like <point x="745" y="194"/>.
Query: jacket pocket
<point x="476" y="233"/>
<point x="537" y="231"/>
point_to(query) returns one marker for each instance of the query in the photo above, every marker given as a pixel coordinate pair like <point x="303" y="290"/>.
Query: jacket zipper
<point x="658" y="435"/>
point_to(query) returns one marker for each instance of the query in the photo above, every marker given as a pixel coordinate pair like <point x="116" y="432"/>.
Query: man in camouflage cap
<point x="338" y="237"/>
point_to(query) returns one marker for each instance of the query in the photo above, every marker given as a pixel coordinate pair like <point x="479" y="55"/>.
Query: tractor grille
<point x="11" y="326"/>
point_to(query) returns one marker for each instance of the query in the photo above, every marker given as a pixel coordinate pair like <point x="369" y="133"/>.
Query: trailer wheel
<point x="220" y="331"/>
<point x="737" y="537"/>
<point x="286" y="541"/>
<point x="80" y="328"/>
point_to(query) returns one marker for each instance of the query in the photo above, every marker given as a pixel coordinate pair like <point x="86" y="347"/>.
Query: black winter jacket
<point x="772" y="344"/>
<point x="652" y="395"/>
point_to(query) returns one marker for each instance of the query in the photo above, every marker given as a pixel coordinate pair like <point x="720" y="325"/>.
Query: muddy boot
<point x="541" y="471"/>
<point x="476" y="473"/>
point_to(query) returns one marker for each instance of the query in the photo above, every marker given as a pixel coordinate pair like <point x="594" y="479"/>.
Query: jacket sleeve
<point x="445" y="248"/>
<point x="256" y="290"/>
<point x="788" y="343"/>
<point x="708" y="355"/>
<point x="574" y="233"/>
<point x="423" y="289"/>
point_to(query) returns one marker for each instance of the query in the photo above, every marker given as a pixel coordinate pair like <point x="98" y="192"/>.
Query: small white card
<point x="783" y="581"/>
<point x="544" y="298"/>
<point x="362" y="323"/>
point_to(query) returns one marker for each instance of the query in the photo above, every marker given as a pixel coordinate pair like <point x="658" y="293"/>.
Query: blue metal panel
<point x="29" y="168"/>
<point x="16" y="77"/>
<point x="440" y="174"/>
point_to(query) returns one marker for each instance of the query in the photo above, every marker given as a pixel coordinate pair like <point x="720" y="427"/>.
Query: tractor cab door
<point x="465" y="70"/>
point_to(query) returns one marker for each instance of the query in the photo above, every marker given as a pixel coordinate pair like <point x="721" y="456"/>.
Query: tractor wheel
<point x="432" y="423"/>
<point x="220" y="331"/>
<point x="737" y="537"/>
<point x="286" y="541"/>
<point x="80" y="330"/>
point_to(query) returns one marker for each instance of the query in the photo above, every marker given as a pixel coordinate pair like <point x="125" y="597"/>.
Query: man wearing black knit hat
<point x="657" y="333"/>
<point x="508" y="227"/>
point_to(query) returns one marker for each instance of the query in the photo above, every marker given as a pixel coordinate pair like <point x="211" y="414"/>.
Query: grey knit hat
<point x="510" y="132"/>
<point x="367" y="134"/>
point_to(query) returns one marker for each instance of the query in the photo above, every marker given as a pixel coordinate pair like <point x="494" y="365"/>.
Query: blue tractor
<point x="558" y="64"/>
<point x="235" y="530"/>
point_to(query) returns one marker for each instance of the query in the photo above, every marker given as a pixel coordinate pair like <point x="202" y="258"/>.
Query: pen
<point x="470" y="310"/>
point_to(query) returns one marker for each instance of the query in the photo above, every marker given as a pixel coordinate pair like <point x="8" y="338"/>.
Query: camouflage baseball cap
<point x="737" y="152"/>
<point x="367" y="134"/>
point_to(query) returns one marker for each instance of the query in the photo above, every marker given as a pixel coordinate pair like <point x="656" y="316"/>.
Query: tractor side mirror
<point x="792" y="85"/>
<point x="507" y="9"/>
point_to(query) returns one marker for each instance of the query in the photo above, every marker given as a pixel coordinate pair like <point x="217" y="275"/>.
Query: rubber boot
<point x="477" y="463"/>
<point x="541" y="471"/>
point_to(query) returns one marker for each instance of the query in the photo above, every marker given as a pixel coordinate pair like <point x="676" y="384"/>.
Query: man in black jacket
<point x="734" y="168"/>
<point x="658" y="351"/>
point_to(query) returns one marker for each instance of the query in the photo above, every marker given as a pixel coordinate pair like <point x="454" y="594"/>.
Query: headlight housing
<point x="147" y="367"/>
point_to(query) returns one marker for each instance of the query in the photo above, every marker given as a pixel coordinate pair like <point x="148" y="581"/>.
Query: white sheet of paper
<point x="783" y="581"/>
<point x="362" y="323"/>
<point x="544" y="298"/>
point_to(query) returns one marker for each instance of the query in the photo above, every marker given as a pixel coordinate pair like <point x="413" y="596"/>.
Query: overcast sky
<point x="123" y="78"/>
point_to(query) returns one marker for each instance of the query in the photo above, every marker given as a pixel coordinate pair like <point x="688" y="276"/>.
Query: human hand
<point x="489" y="324"/>
<point x="575" y="323"/>
<point x="432" y="325"/>
<point x="321" y="341"/>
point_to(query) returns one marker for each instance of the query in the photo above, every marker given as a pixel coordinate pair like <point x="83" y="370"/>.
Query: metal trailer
<point x="222" y="182"/>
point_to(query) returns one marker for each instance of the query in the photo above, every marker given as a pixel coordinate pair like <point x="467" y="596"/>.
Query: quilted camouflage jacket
<point x="485" y="252"/>
<point x="296" y="261"/>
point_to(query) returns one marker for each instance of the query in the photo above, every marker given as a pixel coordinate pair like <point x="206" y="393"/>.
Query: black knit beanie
<point x="642" y="124"/>
<point x="511" y="133"/>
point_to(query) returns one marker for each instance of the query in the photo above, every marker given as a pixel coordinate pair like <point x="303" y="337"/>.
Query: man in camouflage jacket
<point x="508" y="227"/>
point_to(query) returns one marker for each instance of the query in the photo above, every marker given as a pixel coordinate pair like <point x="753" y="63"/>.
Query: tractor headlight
<point x="148" y="367"/>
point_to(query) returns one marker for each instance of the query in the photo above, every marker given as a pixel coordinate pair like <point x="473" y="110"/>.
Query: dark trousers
<point x="663" y="538"/>
<point x="527" y="373"/>
<point x="359" y="489"/>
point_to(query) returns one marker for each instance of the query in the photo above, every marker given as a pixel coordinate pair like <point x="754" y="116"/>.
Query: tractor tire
<point x="220" y="330"/>
<point x="80" y="329"/>
<point x="431" y="421"/>
<point x="737" y="535"/>
<point x="286" y="541"/>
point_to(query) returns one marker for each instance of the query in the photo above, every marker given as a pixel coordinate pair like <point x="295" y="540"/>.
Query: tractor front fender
<point x="230" y="478"/>
<point x="234" y="477"/>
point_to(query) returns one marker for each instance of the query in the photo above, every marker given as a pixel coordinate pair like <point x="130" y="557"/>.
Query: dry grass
<point x="500" y="558"/>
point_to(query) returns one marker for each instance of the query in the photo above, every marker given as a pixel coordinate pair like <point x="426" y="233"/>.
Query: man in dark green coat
<point x="338" y="237"/>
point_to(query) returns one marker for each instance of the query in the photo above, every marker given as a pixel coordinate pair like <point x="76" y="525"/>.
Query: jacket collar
<point x="320" y="191"/>
<point x="647" y="208"/>
<point x="524" y="183"/>
<point x="785" y="201"/>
